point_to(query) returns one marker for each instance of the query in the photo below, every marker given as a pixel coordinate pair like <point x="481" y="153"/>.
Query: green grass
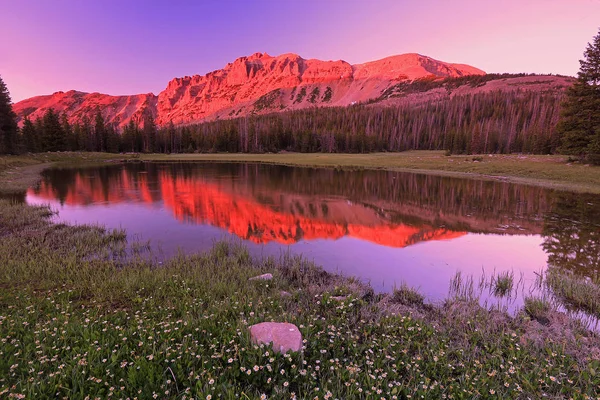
<point x="407" y="295"/>
<point x="17" y="173"/>
<point x="83" y="313"/>
<point x="575" y="292"/>
<point x="503" y="284"/>
<point x="538" y="308"/>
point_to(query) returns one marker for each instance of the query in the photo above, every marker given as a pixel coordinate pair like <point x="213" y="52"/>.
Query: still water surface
<point x="383" y="227"/>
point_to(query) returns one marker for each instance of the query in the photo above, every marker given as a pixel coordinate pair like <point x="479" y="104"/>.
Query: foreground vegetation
<point x="83" y="314"/>
<point x="78" y="320"/>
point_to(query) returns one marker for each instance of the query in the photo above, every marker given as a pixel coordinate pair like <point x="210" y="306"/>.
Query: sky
<point x="129" y="47"/>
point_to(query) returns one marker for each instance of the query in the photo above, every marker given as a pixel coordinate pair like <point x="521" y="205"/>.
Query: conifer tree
<point x="70" y="141"/>
<point x="8" y="122"/>
<point x="100" y="132"/>
<point x="30" y="138"/>
<point x="149" y="133"/>
<point x="53" y="138"/>
<point x="580" y="120"/>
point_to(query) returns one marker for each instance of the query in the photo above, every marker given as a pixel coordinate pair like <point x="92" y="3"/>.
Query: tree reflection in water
<point x="572" y="234"/>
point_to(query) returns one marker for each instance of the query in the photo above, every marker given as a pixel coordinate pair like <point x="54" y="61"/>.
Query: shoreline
<point x="551" y="172"/>
<point x="503" y="168"/>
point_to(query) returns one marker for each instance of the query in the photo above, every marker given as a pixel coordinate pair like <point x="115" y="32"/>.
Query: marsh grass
<point x="17" y="173"/>
<point x="538" y="308"/>
<point x="575" y="292"/>
<point x="74" y="325"/>
<point x="503" y="283"/>
<point x="408" y="296"/>
<point x="462" y="288"/>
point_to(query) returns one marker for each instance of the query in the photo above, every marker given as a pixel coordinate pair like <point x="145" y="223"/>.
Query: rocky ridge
<point x="253" y="84"/>
<point x="261" y="83"/>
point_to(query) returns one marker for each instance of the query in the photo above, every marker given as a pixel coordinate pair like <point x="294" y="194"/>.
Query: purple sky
<point x="127" y="47"/>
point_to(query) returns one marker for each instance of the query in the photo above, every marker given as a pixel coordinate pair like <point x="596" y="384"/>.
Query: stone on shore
<point x="263" y="277"/>
<point x="284" y="336"/>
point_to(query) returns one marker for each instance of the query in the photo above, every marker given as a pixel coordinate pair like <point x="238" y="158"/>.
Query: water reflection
<point x="572" y="234"/>
<point x="382" y="226"/>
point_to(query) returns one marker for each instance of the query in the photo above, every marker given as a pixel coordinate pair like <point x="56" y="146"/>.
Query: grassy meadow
<point x="85" y="314"/>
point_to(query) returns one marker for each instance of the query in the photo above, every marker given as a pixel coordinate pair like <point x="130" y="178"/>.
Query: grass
<point x="83" y="314"/>
<point x="538" y="308"/>
<point x="17" y="173"/>
<point x="503" y="283"/>
<point x="407" y="296"/>
<point x="575" y="292"/>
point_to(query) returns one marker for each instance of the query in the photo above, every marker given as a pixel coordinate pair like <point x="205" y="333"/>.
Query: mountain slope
<point x="118" y="110"/>
<point x="261" y="82"/>
<point x="254" y="84"/>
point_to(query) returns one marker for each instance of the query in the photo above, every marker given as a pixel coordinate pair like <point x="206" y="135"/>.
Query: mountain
<point x="255" y="84"/>
<point x="261" y="84"/>
<point x="118" y="110"/>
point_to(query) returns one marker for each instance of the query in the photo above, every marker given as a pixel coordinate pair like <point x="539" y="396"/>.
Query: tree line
<point x="54" y="132"/>
<point x="496" y="122"/>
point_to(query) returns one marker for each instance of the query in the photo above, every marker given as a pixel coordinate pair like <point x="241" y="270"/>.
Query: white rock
<point x="284" y="336"/>
<point x="263" y="277"/>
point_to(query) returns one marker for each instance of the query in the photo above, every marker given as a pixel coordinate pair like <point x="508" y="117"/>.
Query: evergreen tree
<point x="112" y="139"/>
<point x="53" y="137"/>
<point x="86" y="135"/>
<point x="8" y="122"/>
<point x="580" y="120"/>
<point x="128" y="137"/>
<point x="149" y="134"/>
<point x="30" y="137"/>
<point x="100" y="132"/>
<point x="70" y="141"/>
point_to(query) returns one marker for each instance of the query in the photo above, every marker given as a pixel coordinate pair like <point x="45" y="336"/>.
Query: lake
<point x="380" y="226"/>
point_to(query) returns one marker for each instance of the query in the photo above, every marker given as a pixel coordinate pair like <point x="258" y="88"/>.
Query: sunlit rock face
<point x="254" y="84"/>
<point x="262" y="83"/>
<point x="116" y="110"/>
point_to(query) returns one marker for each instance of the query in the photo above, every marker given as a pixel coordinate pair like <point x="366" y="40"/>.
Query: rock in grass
<point x="284" y="336"/>
<point x="263" y="277"/>
<point x="283" y="293"/>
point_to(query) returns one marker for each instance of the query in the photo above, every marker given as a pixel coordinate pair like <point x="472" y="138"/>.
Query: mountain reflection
<point x="265" y="203"/>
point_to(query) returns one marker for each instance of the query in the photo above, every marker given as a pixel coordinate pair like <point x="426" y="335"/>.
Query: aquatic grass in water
<point x="575" y="292"/>
<point x="407" y="295"/>
<point x="503" y="283"/>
